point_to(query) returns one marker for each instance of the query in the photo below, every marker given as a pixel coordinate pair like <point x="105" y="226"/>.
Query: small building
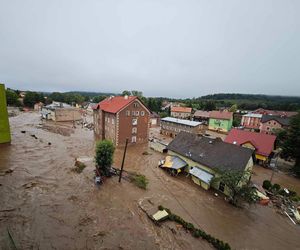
<point x="117" y="118"/>
<point x="60" y="112"/>
<point x="270" y="123"/>
<point x="38" y="106"/>
<point x="201" y="116"/>
<point x="251" y="121"/>
<point x="89" y="107"/>
<point x="181" y="112"/>
<point x="171" y="126"/>
<point x="207" y="158"/>
<point x="5" y="136"/>
<point x="262" y="144"/>
<point x="220" y="121"/>
<point x="154" y="119"/>
<point x="274" y="112"/>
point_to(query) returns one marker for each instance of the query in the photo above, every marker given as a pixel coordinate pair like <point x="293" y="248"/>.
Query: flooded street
<point x="46" y="205"/>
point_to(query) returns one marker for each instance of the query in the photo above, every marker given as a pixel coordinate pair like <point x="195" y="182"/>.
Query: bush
<point x="295" y="198"/>
<point x="276" y="187"/>
<point x="282" y="192"/>
<point x="267" y="185"/>
<point x="292" y="193"/>
<point x="79" y="167"/>
<point x="141" y="181"/>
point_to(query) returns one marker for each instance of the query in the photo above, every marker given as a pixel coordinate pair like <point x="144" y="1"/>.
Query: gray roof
<point x="202" y="113"/>
<point x="181" y="121"/>
<point x="177" y="162"/>
<point x="201" y="174"/>
<point x="213" y="153"/>
<point x="282" y="120"/>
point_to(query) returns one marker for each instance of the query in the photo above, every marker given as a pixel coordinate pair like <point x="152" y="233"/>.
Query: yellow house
<point x="207" y="158"/>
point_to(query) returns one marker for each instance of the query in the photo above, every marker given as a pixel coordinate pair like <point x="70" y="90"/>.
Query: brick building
<point x="181" y="112"/>
<point x="269" y="123"/>
<point x="275" y="112"/>
<point x="121" y="117"/>
<point x="171" y="126"/>
<point x="251" y="121"/>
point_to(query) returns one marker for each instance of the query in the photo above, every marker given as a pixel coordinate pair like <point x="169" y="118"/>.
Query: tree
<point x="126" y="92"/>
<point x="209" y="105"/>
<point x="237" y="184"/>
<point x="233" y="108"/>
<point x="291" y="147"/>
<point x="99" y="98"/>
<point x="12" y="98"/>
<point x="32" y="98"/>
<point x="104" y="156"/>
<point x="136" y="93"/>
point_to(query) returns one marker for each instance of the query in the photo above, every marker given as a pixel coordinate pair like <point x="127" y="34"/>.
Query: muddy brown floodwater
<point x="46" y="205"/>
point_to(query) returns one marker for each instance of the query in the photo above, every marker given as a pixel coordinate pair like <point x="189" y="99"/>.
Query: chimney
<point x="125" y="97"/>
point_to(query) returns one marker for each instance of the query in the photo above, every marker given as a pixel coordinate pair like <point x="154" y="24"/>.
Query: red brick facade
<point x="131" y="121"/>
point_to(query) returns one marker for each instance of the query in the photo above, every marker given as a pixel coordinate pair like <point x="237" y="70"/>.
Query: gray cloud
<point x="161" y="47"/>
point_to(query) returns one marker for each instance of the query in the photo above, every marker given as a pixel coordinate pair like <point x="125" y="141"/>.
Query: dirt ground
<point x="46" y="205"/>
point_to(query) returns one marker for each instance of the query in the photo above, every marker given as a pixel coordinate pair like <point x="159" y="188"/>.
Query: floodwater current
<point x="46" y="205"/>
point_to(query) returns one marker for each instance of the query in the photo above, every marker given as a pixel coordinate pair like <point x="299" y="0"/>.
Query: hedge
<point x="196" y="232"/>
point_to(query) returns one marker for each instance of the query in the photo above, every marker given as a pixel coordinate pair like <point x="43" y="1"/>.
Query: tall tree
<point x="237" y="184"/>
<point x="291" y="147"/>
<point x="31" y="98"/>
<point x="12" y="98"/>
<point x="104" y="156"/>
<point x="126" y="92"/>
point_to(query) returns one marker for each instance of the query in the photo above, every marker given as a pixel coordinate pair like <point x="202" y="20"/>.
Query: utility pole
<point x="120" y="176"/>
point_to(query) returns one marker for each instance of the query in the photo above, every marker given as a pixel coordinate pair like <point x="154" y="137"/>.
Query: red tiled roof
<point x="274" y="112"/>
<point x="181" y="109"/>
<point x="114" y="104"/>
<point x="225" y="115"/>
<point x="263" y="143"/>
<point x="202" y="113"/>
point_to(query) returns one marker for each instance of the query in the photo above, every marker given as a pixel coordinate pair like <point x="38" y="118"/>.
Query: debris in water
<point x="23" y="131"/>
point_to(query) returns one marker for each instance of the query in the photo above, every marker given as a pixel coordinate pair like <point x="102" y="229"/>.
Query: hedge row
<point x="218" y="244"/>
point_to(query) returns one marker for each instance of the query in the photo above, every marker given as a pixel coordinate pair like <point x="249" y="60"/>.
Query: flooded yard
<point x="46" y="205"/>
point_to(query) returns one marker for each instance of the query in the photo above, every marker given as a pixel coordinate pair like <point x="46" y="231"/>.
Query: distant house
<point x="171" y="126"/>
<point x="270" y="123"/>
<point x="38" y="106"/>
<point x="181" y="112"/>
<point x="60" y="112"/>
<point x="251" y="121"/>
<point x="207" y="158"/>
<point x="89" y="108"/>
<point x="4" y="122"/>
<point x="274" y="112"/>
<point x="263" y="144"/>
<point x="201" y="116"/>
<point x="154" y="119"/>
<point x="117" y="118"/>
<point x="220" y="121"/>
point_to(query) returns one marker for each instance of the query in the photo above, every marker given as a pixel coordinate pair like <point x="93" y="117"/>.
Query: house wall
<point x="215" y="185"/>
<point x="172" y="129"/>
<point x="250" y="122"/>
<point x="219" y="124"/>
<point x="182" y="115"/>
<point x="4" y="122"/>
<point x="269" y="127"/>
<point x="110" y="128"/>
<point x="69" y="114"/>
<point x="125" y="124"/>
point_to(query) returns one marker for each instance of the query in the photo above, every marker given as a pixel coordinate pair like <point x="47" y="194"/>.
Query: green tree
<point x="209" y="105"/>
<point x="291" y="146"/>
<point x="31" y="98"/>
<point x="99" y="98"/>
<point x="126" y="92"/>
<point x="233" y="108"/>
<point x="136" y="93"/>
<point x="104" y="156"/>
<point x="12" y="98"/>
<point x="237" y="184"/>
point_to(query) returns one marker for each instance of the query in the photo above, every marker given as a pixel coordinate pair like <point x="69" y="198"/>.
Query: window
<point x="134" y="130"/>
<point x="133" y="139"/>
<point x="135" y="105"/>
<point x="137" y="113"/>
<point x="269" y="122"/>
<point x="268" y="128"/>
<point x="133" y="113"/>
<point x="112" y="121"/>
<point x="134" y="121"/>
<point x="142" y="113"/>
<point x="128" y="113"/>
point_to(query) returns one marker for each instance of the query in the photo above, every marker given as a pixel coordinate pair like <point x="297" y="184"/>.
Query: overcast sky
<point x="162" y="47"/>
